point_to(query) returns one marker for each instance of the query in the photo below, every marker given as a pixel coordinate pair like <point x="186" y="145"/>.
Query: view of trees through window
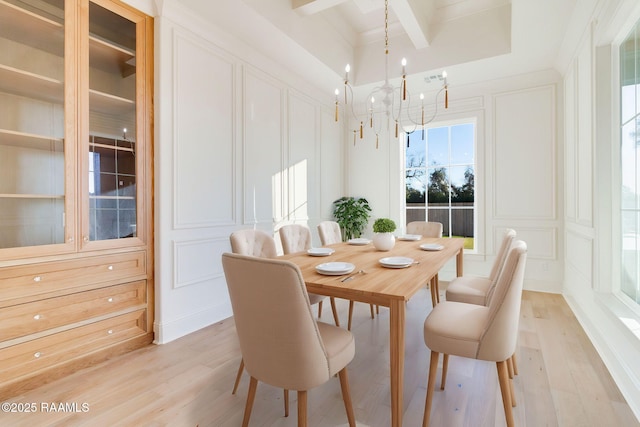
<point x="440" y="178"/>
<point x="630" y="163"/>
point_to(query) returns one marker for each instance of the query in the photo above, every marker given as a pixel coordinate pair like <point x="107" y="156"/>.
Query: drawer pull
<point x="110" y="331"/>
<point x="36" y="317"/>
<point x="110" y="299"/>
<point x="37" y="278"/>
<point x="37" y="354"/>
<point x="110" y="267"/>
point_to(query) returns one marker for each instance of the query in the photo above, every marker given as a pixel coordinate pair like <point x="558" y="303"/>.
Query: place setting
<point x="320" y="251"/>
<point x="335" y="268"/>
<point x="431" y="247"/>
<point x="397" y="262"/>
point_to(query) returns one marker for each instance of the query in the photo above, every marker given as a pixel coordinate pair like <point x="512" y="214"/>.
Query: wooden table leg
<point x="459" y="262"/>
<point x="396" y="350"/>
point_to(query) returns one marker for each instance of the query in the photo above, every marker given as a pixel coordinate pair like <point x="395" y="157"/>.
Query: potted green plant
<point x="383" y="238"/>
<point x="352" y="214"/>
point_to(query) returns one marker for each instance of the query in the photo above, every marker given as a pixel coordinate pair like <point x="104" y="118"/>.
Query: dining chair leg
<point x="377" y="309"/>
<point x="445" y="367"/>
<point x="515" y="365"/>
<point x="512" y="390"/>
<point x="350" y="314"/>
<point x="302" y="408"/>
<point x="434" y="297"/>
<point x="346" y="396"/>
<point x="335" y="311"/>
<point x="510" y="368"/>
<point x="320" y="309"/>
<point x="286" y="402"/>
<point x="431" y="384"/>
<point x="253" y="384"/>
<point x="372" y="314"/>
<point x="238" y="376"/>
<point x="503" y="378"/>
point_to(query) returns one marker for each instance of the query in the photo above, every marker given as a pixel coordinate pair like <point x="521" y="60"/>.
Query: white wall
<point x="518" y="154"/>
<point x="592" y="233"/>
<point x="240" y="142"/>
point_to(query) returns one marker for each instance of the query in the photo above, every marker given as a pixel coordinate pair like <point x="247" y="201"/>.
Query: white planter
<point x="384" y="241"/>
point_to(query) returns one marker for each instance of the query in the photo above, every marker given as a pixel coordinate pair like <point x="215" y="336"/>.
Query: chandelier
<point x="389" y="102"/>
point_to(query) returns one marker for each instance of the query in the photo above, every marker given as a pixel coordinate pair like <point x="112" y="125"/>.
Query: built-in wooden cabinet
<point x="76" y="259"/>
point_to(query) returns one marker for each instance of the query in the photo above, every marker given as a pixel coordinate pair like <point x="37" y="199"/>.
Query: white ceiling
<point x="475" y="40"/>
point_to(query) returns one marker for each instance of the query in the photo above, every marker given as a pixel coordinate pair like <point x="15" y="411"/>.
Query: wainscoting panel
<point x="203" y="134"/>
<point x="579" y="260"/>
<point x="570" y="141"/>
<point x="197" y="261"/>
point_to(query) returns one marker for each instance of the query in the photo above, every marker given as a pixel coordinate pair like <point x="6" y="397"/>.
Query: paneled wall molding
<point x="579" y="257"/>
<point x="203" y="142"/>
<point x="193" y="264"/>
<point x="524" y="125"/>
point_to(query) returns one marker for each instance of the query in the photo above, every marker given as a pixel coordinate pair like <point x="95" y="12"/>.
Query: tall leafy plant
<point x="352" y="214"/>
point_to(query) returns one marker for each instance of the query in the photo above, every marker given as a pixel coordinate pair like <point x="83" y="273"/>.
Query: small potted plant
<point x="383" y="238"/>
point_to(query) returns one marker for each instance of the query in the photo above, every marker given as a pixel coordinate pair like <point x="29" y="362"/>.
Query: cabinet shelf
<point x="30" y="28"/>
<point x="32" y="196"/>
<point x="24" y="83"/>
<point x="110" y="57"/>
<point x="110" y="104"/>
<point x="32" y="141"/>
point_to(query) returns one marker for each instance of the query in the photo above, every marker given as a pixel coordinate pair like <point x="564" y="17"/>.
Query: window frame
<point x="475" y="119"/>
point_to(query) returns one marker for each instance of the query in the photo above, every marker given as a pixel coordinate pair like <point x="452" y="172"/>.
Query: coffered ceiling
<point x="473" y="40"/>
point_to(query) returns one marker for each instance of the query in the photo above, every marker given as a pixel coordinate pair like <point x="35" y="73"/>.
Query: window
<point x="439" y="178"/>
<point x="630" y="163"/>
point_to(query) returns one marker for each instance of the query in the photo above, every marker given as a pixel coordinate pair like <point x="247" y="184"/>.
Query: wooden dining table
<point x="372" y="283"/>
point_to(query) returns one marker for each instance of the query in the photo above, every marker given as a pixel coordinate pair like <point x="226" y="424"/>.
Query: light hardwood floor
<point x="562" y="381"/>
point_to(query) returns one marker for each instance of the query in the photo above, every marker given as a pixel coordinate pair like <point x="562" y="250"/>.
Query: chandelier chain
<point x="386" y="27"/>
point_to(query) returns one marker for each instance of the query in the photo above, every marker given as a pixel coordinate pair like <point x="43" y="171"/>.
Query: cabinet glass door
<point x="32" y="124"/>
<point x="112" y="125"/>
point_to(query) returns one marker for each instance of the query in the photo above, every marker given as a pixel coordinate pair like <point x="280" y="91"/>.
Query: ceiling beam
<point x="310" y="7"/>
<point x="414" y="18"/>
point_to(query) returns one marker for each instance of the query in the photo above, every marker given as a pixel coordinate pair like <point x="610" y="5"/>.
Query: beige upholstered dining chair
<point x="259" y="244"/>
<point x="480" y="332"/>
<point x="297" y="238"/>
<point x="428" y="229"/>
<point x="253" y="242"/>
<point x="477" y="290"/>
<point x="425" y="228"/>
<point x="330" y="233"/>
<point x="284" y="348"/>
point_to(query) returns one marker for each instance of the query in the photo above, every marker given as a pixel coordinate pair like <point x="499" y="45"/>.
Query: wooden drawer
<point x="48" y="278"/>
<point x="26" y="319"/>
<point x="30" y="357"/>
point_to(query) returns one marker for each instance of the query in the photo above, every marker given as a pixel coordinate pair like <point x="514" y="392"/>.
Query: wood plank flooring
<point x="561" y="382"/>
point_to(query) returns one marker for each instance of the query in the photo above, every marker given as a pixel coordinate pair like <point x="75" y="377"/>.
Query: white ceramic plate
<point x="410" y="237"/>
<point x="431" y="247"/>
<point x="335" y="268"/>
<point x="396" y="262"/>
<point x="320" y="251"/>
<point x="359" y="241"/>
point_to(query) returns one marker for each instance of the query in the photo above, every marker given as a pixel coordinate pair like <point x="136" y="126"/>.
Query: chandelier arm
<point x="435" y="111"/>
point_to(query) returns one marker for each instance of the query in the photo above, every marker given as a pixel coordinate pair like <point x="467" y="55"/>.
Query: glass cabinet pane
<point x="112" y="120"/>
<point x="32" y="118"/>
